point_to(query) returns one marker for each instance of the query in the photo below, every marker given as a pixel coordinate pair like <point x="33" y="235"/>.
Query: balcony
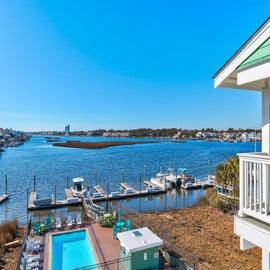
<point x="254" y="186"/>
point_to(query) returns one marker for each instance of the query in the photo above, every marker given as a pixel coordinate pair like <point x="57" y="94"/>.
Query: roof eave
<point x="223" y="76"/>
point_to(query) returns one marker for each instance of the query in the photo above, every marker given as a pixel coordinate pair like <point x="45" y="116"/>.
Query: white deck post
<point x="266" y="121"/>
<point x="265" y="259"/>
<point x="265" y="142"/>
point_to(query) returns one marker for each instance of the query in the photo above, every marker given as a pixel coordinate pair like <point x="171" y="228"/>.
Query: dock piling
<point x="27" y="196"/>
<point x="34" y="183"/>
<point x="140" y="184"/>
<point x="107" y="200"/>
<point x="54" y="194"/>
<point x="123" y="177"/>
<point x="6" y="183"/>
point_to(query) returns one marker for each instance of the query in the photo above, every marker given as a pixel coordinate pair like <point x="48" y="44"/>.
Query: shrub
<point x="203" y="201"/>
<point x="224" y="206"/>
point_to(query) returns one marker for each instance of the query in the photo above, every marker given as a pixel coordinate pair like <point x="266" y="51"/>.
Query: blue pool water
<point x="71" y="250"/>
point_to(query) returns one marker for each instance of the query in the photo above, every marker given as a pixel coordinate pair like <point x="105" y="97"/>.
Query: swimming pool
<point x="71" y="250"/>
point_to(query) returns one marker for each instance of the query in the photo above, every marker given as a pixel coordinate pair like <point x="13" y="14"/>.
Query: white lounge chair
<point x="30" y="257"/>
<point x="28" y="261"/>
<point x="32" y="241"/>
<point x="70" y="222"/>
<point x="79" y="220"/>
<point x="58" y="223"/>
<point x="31" y="265"/>
<point x="31" y="246"/>
<point x="25" y="267"/>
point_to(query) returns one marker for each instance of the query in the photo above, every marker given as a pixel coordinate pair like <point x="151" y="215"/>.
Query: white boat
<point x="78" y="189"/>
<point x="160" y="181"/>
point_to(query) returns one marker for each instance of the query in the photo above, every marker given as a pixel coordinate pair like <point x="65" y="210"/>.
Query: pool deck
<point x="105" y="246"/>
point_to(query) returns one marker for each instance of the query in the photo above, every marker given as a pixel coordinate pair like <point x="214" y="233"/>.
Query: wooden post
<point x="165" y="206"/>
<point x="145" y="172"/>
<point x="123" y="177"/>
<point x="140" y="183"/>
<point x="107" y="202"/>
<point x="54" y="194"/>
<point x="27" y="197"/>
<point x="67" y="181"/>
<point x="34" y="183"/>
<point x="6" y="184"/>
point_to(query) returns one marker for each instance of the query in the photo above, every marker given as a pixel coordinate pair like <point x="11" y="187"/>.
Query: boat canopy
<point x="77" y="180"/>
<point x="182" y="169"/>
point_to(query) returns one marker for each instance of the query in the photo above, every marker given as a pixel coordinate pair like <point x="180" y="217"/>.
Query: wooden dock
<point x="3" y="198"/>
<point x="100" y="190"/>
<point x="70" y="200"/>
<point x="128" y="188"/>
<point x="121" y="196"/>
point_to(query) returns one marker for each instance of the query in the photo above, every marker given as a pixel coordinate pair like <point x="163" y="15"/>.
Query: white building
<point x="249" y="69"/>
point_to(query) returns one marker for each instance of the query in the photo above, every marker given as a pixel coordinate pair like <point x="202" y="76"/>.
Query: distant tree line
<point x="156" y="133"/>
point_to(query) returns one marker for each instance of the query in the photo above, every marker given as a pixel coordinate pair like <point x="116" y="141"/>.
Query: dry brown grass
<point x="8" y="231"/>
<point x="208" y="234"/>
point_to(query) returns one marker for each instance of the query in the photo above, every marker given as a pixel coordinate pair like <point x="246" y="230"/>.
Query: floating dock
<point x="3" y="198"/>
<point x="128" y="188"/>
<point x="121" y="196"/>
<point x="100" y="191"/>
<point x="99" y="196"/>
<point x="70" y="200"/>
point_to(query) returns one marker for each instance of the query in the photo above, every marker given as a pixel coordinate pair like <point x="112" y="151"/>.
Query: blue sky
<point x="124" y="64"/>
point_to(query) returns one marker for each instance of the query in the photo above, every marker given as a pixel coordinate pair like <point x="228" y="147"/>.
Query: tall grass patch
<point x="8" y="231"/>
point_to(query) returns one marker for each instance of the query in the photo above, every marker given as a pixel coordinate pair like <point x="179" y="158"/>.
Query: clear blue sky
<point x="124" y="64"/>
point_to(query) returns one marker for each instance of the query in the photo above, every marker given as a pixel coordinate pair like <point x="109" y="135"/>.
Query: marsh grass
<point x="8" y="231"/>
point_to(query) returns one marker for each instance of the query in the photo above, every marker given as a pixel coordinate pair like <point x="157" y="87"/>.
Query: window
<point x="145" y="256"/>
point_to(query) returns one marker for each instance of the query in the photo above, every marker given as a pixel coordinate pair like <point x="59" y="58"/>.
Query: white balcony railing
<point x="254" y="187"/>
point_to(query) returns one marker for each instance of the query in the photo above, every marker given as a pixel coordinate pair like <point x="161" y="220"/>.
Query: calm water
<point x="52" y="165"/>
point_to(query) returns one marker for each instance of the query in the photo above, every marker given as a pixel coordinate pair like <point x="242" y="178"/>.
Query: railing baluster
<point x="245" y="184"/>
<point x="266" y="190"/>
<point x="260" y="187"/>
<point x="250" y="184"/>
<point x="255" y="186"/>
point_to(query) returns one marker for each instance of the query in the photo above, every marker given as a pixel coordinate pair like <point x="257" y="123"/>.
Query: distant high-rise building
<point x="67" y="130"/>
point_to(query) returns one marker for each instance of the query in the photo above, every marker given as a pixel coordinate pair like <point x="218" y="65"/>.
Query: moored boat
<point x="78" y="189"/>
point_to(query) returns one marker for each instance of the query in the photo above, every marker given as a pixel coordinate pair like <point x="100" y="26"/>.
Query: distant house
<point x="252" y="135"/>
<point x="116" y="134"/>
<point x="244" y="136"/>
<point x="249" y="68"/>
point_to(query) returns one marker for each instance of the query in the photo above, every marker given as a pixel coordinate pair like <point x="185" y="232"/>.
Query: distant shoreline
<point x="95" y="145"/>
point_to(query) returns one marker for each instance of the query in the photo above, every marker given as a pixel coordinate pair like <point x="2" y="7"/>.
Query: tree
<point x="227" y="173"/>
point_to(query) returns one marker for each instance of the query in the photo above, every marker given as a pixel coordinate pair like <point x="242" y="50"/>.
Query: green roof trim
<point x="260" y="55"/>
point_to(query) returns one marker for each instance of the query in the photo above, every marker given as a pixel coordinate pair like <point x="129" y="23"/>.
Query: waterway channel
<point x="56" y="166"/>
